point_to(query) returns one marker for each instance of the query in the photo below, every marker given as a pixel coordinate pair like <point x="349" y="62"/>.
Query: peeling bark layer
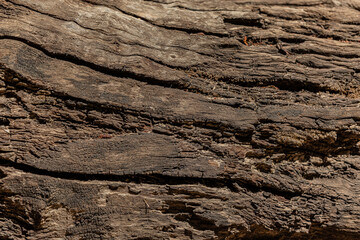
<point x="157" y="119"/>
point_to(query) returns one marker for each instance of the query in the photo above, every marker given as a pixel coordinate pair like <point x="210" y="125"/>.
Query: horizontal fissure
<point x="248" y="22"/>
<point x="119" y="73"/>
<point x="150" y="178"/>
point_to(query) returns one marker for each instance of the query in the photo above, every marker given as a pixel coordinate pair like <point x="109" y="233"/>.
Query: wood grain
<point x="159" y="119"/>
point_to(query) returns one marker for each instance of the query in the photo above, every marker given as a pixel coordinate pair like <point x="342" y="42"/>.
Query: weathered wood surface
<point x="159" y="119"/>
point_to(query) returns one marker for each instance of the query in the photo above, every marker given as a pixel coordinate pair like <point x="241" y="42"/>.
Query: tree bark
<point x="159" y="119"/>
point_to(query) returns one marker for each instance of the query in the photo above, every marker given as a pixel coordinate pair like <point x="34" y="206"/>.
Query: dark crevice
<point x="275" y="40"/>
<point x="282" y="83"/>
<point x="119" y="73"/>
<point x="311" y="176"/>
<point x="248" y="22"/>
<point x="2" y="174"/>
<point x="253" y="187"/>
<point x="270" y="40"/>
<point x="292" y="85"/>
<point x="4" y="121"/>
<point x="292" y="40"/>
<point x="151" y="178"/>
<point x="193" y="31"/>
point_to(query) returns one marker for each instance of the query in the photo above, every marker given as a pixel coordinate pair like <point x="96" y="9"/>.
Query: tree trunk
<point x="188" y="119"/>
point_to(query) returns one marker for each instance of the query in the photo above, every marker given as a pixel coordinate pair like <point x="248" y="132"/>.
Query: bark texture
<point x="187" y="119"/>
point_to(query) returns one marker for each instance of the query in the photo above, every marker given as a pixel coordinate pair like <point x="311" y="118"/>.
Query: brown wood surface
<point x="187" y="119"/>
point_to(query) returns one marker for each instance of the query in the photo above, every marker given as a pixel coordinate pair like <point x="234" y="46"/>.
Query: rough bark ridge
<point x="159" y="119"/>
